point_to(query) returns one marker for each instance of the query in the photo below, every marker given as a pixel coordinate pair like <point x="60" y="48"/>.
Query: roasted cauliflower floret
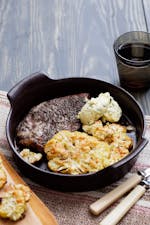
<point x="29" y="156"/>
<point x="77" y="153"/>
<point x="3" y="176"/>
<point x="25" y="189"/>
<point x="13" y="204"/>
<point x="103" y="107"/>
<point x="112" y="133"/>
<point x="67" y="152"/>
<point x="115" y="135"/>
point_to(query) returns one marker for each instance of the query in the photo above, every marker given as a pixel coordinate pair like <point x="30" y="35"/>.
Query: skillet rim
<point x="138" y="148"/>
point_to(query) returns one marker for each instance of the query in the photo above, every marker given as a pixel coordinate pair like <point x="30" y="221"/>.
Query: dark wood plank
<point x="64" y="38"/>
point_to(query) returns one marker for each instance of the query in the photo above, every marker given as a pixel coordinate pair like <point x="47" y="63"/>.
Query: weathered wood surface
<point x="67" y="38"/>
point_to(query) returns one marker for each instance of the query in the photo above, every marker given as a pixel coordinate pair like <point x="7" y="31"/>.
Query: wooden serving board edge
<point x="45" y="216"/>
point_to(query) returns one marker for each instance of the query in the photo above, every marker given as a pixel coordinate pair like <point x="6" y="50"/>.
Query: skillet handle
<point x="27" y="84"/>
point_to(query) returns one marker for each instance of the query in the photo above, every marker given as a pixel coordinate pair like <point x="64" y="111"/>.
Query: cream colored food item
<point x="104" y="106"/>
<point x="13" y="204"/>
<point x="29" y="156"/>
<point x="3" y="176"/>
<point x="78" y="153"/>
<point x="112" y="133"/>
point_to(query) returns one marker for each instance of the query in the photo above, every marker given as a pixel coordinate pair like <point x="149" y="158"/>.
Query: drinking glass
<point x="132" y="52"/>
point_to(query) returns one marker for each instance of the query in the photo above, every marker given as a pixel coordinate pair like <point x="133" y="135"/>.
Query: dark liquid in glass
<point x="133" y="62"/>
<point x="135" y="52"/>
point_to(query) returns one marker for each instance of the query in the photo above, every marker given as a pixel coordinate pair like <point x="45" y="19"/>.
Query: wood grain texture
<point x="37" y="213"/>
<point x="65" y="38"/>
<point x="146" y="7"/>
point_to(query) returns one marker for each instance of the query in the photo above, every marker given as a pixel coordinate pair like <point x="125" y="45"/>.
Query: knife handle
<point x="101" y="204"/>
<point x="122" y="208"/>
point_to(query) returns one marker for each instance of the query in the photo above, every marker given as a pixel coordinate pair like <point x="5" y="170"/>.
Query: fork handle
<point x="101" y="204"/>
<point x="122" y="208"/>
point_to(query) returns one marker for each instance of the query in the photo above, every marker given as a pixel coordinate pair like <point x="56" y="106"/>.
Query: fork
<point x="137" y="182"/>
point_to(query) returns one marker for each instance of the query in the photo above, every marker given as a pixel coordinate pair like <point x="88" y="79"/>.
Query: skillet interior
<point x="38" y="88"/>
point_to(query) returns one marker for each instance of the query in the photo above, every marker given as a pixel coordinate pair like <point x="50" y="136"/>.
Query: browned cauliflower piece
<point x="13" y="203"/>
<point x="29" y="156"/>
<point x="77" y="152"/>
<point x="112" y="133"/>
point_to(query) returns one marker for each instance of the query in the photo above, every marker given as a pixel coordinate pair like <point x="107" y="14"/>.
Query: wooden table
<point x="67" y="38"/>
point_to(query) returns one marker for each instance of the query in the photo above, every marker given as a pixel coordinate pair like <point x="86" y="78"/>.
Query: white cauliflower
<point x="102" y="107"/>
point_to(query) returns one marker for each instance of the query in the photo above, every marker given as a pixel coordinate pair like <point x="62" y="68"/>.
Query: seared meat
<point x="48" y="118"/>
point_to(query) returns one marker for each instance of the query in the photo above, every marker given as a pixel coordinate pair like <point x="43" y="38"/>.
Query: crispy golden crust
<point x="14" y="198"/>
<point x="25" y="190"/>
<point x="115" y="135"/>
<point x="13" y="203"/>
<point x="3" y="178"/>
<point x="110" y="133"/>
<point x="77" y="152"/>
<point x="30" y="157"/>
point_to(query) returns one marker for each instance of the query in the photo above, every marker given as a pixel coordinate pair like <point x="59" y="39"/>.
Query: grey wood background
<point x="67" y="38"/>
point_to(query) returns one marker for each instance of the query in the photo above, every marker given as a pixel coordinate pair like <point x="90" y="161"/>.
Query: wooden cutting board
<point x="37" y="213"/>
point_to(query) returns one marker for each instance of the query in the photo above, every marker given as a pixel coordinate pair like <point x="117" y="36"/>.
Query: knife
<point x="140" y="181"/>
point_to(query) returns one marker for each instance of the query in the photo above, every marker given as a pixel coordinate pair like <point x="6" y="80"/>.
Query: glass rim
<point x="131" y="32"/>
<point x="131" y="61"/>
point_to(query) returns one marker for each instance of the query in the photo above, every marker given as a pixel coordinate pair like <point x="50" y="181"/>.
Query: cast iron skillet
<point x="37" y="88"/>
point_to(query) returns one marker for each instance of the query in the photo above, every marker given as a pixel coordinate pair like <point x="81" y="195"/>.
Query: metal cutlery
<point x="138" y="182"/>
